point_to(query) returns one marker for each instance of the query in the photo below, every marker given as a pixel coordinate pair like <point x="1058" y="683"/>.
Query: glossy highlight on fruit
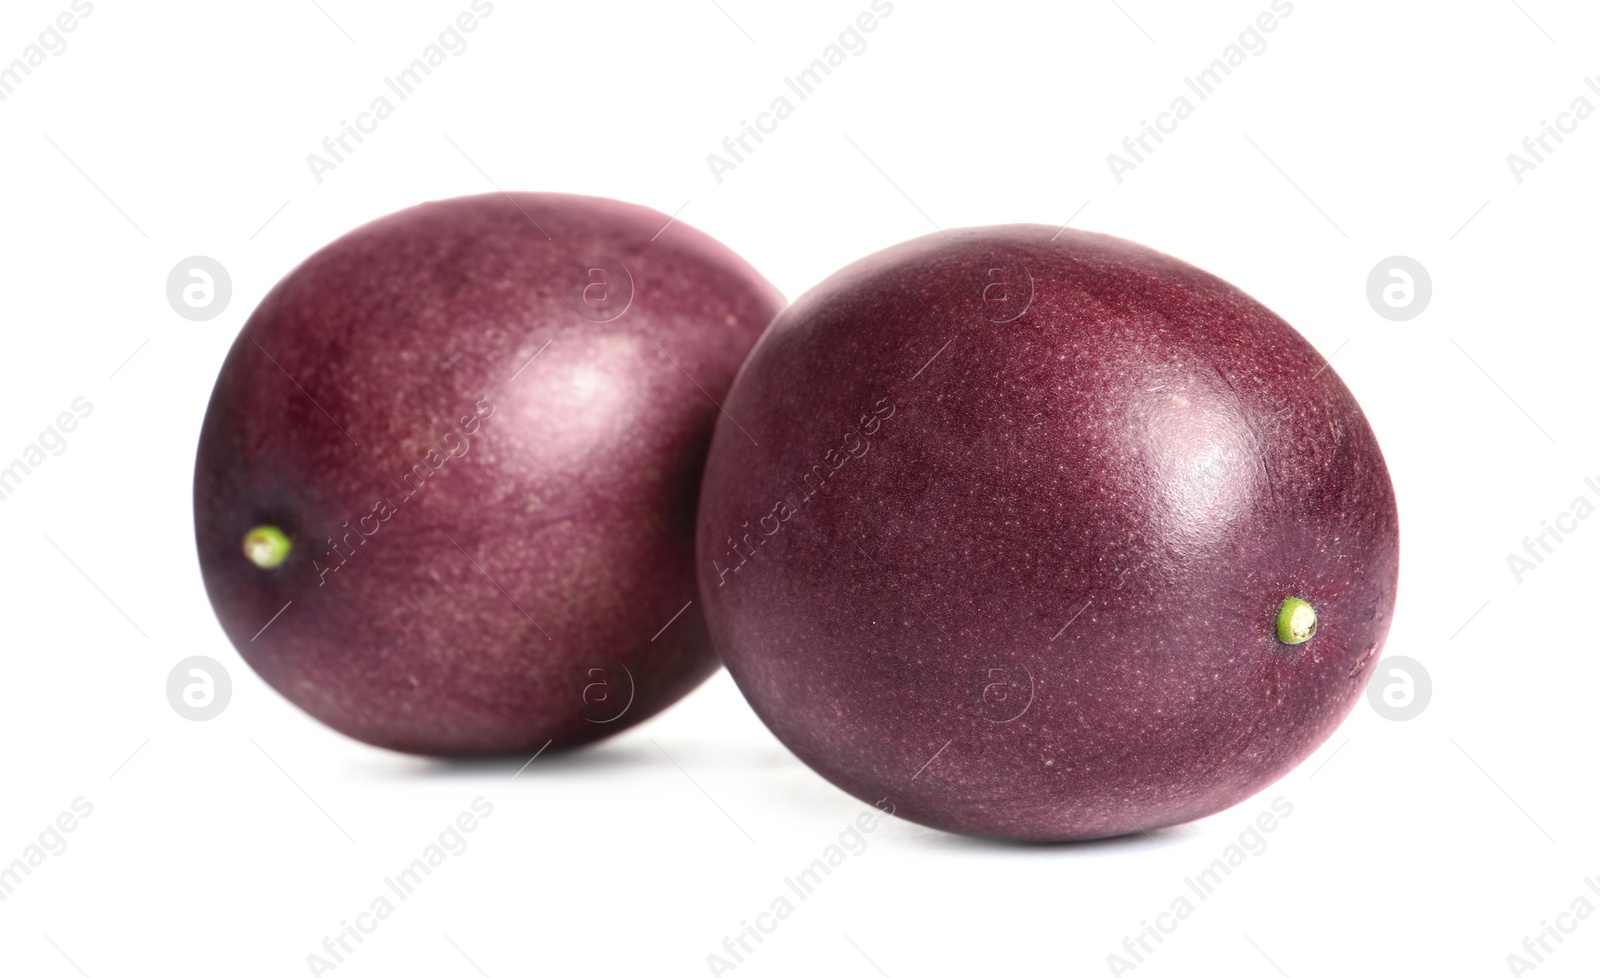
<point x="1044" y="536"/>
<point x="446" y="484"/>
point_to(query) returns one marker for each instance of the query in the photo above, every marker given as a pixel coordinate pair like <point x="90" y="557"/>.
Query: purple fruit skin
<point x="1030" y="594"/>
<point x="557" y="542"/>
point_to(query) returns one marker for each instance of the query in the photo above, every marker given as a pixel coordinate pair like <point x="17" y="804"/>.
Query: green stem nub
<point x="266" y="546"/>
<point x="1297" y="621"/>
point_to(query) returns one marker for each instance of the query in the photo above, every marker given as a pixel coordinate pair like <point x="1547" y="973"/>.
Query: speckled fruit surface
<point x="481" y="425"/>
<point x="999" y="526"/>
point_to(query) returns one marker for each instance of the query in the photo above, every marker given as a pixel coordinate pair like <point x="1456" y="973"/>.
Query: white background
<point x="1364" y="130"/>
